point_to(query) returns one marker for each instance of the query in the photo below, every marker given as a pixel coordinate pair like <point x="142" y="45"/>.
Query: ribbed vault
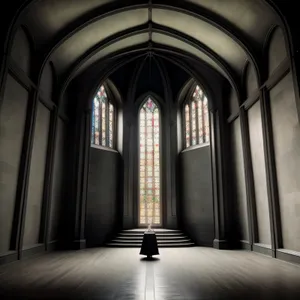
<point x="222" y="35"/>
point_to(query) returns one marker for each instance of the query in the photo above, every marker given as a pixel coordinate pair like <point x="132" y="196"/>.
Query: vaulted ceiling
<point x="219" y="34"/>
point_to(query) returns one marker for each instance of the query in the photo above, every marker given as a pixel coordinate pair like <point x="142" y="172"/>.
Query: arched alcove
<point x="286" y="139"/>
<point x="103" y="195"/>
<point x="12" y="130"/>
<point x="250" y="80"/>
<point x="47" y="81"/>
<point x="196" y="194"/>
<point x="233" y="102"/>
<point x="22" y="50"/>
<point x="238" y="192"/>
<point x="275" y="49"/>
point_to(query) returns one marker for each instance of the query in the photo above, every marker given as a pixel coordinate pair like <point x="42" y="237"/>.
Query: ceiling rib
<point x="102" y="12"/>
<point x="113" y="8"/>
<point x="139" y="48"/>
<point x="116" y="65"/>
<point x="164" y="74"/>
<point x="194" y="73"/>
<point x="213" y="19"/>
<point x="150" y="20"/>
<point x="191" y="57"/>
<point x="109" y="41"/>
<point x="128" y="51"/>
<point x="196" y="44"/>
<point x="159" y="29"/>
<point x="134" y="79"/>
<point x="106" y="72"/>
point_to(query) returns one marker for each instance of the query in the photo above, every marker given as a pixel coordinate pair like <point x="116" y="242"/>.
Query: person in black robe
<point x="149" y="244"/>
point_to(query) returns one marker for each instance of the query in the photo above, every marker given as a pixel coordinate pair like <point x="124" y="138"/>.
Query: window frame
<point x="110" y="101"/>
<point x="154" y="98"/>
<point x="188" y="100"/>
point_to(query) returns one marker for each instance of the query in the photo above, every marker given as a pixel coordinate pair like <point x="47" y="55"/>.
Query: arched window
<point x="149" y="173"/>
<point x="103" y="120"/>
<point x="196" y="119"/>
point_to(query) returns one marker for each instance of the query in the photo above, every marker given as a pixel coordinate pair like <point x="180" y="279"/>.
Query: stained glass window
<point x="103" y="118"/>
<point x="149" y="173"/>
<point x="196" y="117"/>
<point x="187" y="125"/>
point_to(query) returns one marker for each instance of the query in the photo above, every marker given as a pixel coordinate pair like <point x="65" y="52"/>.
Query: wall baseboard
<point x="245" y="245"/>
<point x="79" y="244"/>
<point x="53" y="245"/>
<point x="281" y="254"/>
<point x="12" y="256"/>
<point x="288" y="256"/>
<point x="8" y="257"/>
<point x="206" y="244"/>
<point x="221" y="244"/>
<point x="263" y="249"/>
<point x="34" y="250"/>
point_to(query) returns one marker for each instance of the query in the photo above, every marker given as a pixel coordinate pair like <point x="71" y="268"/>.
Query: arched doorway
<point x="149" y="199"/>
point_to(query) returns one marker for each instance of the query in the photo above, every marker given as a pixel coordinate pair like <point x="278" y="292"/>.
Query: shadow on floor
<point x="149" y="259"/>
<point x="104" y="293"/>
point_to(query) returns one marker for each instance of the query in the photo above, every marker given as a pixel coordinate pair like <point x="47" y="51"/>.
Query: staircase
<point x="165" y="238"/>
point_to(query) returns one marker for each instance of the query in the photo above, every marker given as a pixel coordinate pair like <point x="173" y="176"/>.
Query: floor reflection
<point x="177" y="273"/>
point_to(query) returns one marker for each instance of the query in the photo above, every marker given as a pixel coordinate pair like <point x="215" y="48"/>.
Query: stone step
<point x="154" y="229"/>
<point x="165" y="238"/>
<point x="157" y="234"/>
<point x="138" y="245"/>
<point x="158" y="237"/>
<point x="158" y="241"/>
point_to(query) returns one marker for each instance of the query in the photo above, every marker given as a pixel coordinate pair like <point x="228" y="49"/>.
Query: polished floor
<point x="176" y="274"/>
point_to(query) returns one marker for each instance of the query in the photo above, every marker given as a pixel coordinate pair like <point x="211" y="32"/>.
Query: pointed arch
<point x="149" y="202"/>
<point x="103" y="119"/>
<point x="196" y="118"/>
<point x="22" y="50"/>
<point x="275" y="49"/>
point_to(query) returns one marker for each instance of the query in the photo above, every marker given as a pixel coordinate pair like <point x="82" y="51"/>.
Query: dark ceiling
<point x="220" y="34"/>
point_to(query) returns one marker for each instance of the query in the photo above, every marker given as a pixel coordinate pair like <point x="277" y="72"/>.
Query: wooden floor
<point x="177" y="274"/>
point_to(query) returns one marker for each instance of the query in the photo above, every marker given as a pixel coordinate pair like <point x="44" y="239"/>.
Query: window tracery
<point x="103" y="118"/>
<point x="196" y="117"/>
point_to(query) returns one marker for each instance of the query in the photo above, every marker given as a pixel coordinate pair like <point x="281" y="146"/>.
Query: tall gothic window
<point x="149" y="173"/>
<point x="103" y="119"/>
<point x="196" y="119"/>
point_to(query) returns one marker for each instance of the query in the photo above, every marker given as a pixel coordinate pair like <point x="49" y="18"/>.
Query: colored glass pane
<point x="197" y="119"/>
<point x="149" y="164"/>
<point x="102" y="120"/>
<point x="187" y="125"/>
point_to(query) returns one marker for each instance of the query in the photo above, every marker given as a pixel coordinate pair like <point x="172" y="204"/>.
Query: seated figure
<point x="149" y="244"/>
